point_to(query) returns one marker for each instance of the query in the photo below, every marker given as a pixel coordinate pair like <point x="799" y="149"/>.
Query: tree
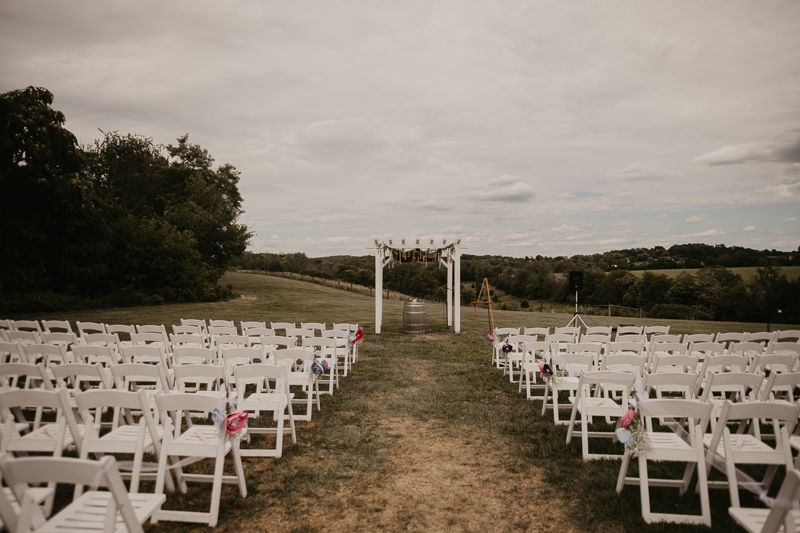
<point x="53" y="235"/>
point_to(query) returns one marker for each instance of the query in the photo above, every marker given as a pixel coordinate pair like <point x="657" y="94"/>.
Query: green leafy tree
<point x="53" y="235"/>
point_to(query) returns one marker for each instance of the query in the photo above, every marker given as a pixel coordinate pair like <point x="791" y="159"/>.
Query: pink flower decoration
<point x="490" y="336"/>
<point x="235" y="422"/>
<point x="541" y="365"/>
<point x="628" y="418"/>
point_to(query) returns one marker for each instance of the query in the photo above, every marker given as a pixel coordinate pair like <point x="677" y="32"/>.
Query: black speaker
<point x="576" y="280"/>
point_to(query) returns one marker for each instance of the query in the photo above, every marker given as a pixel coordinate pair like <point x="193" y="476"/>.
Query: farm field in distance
<point x="792" y="272"/>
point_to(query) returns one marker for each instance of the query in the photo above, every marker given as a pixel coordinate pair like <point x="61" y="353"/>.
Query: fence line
<point x="586" y="306"/>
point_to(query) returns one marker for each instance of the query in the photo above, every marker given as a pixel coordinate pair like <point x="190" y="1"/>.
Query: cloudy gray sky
<point x="521" y="127"/>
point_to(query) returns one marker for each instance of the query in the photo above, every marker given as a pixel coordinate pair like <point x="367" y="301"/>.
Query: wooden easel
<point x="488" y="301"/>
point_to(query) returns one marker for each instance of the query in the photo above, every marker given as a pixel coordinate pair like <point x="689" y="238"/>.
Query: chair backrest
<point x="90" y="327"/>
<point x="246" y="325"/>
<point x="774" y="363"/>
<point x="733" y="382"/>
<point x="696" y="411"/>
<point x="315" y="326"/>
<point x="560" y="337"/>
<point x="675" y="363"/>
<point x="698" y="337"/>
<point x="151" y="328"/>
<point x="212" y="376"/>
<point x="122" y="331"/>
<point x="130" y="376"/>
<point x="282" y="326"/>
<point x="706" y="349"/>
<point x="722" y="363"/>
<point x="505" y="332"/>
<point x="193" y="355"/>
<point x="633" y="364"/>
<point x="788" y="335"/>
<point x="600" y="330"/>
<point x="345" y="326"/>
<point x="110" y="340"/>
<point x="145" y="339"/>
<point x="297" y="359"/>
<point x="67" y="340"/>
<point x="195" y="322"/>
<point x="61" y="325"/>
<point x="729" y="337"/>
<point x="12" y="352"/>
<point x="150" y="355"/>
<point x="516" y="341"/>
<point x="186" y="339"/>
<point x="570" y="330"/>
<point x="35" y="376"/>
<point x="668" y="348"/>
<point x="537" y="348"/>
<point x="72" y="375"/>
<point x="300" y="334"/>
<point x="628" y="330"/>
<point x="218" y="341"/>
<point x="95" y="354"/>
<point x="214" y="331"/>
<point x="23" y="337"/>
<point x="221" y="324"/>
<point x="656" y="330"/>
<point x="27" y="325"/>
<point x="625" y="348"/>
<point x="98" y="401"/>
<point x="785" y="348"/>
<point x="764" y="337"/>
<point x="785" y="383"/>
<point x="540" y="332"/>
<point x="574" y="363"/>
<point x="258" y="373"/>
<point x="667" y="337"/>
<point x="51" y="354"/>
<point x="22" y="472"/>
<point x="779" y="413"/>
<point x="236" y="356"/>
<point x="748" y="349"/>
<point x="191" y="330"/>
<point x="685" y="383"/>
<point x="596" y="338"/>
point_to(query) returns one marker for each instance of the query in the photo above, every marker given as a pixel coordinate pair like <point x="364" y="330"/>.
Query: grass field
<point x="424" y="434"/>
<point x="792" y="272"/>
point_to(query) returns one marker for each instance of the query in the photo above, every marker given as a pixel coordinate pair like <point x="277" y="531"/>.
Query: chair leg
<point x="644" y="488"/>
<point x="237" y="463"/>
<point x="216" y="488"/>
<point x="623" y="470"/>
<point x="702" y="478"/>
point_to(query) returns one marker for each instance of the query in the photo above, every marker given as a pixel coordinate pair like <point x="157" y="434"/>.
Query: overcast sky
<point x="521" y="127"/>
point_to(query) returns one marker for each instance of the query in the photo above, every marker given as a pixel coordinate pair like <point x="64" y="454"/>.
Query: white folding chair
<point x="298" y="363"/>
<point x="590" y="406"/>
<point x="328" y="350"/>
<point x="107" y="511"/>
<point x="567" y="369"/>
<point x="771" y="520"/>
<point x="12" y="352"/>
<point x="284" y="326"/>
<point x="60" y="325"/>
<point x="123" y="438"/>
<point x="533" y="352"/>
<point x="669" y="446"/>
<point x="500" y="335"/>
<point x="275" y="398"/>
<point x="233" y="356"/>
<point x="623" y="331"/>
<point x="199" y="440"/>
<point x="744" y="448"/>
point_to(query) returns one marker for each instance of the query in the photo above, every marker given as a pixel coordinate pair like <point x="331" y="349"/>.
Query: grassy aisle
<point x="423" y="435"/>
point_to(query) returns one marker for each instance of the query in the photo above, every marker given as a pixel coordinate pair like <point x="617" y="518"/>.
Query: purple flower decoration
<point x="546" y="370"/>
<point x="507" y="348"/>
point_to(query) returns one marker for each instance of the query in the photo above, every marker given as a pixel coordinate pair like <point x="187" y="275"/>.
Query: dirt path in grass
<point x="415" y="476"/>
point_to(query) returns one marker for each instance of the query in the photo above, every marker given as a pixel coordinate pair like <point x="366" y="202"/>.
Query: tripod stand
<point x="576" y="318"/>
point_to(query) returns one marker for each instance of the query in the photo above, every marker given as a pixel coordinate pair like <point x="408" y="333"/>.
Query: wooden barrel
<point x="414" y="317"/>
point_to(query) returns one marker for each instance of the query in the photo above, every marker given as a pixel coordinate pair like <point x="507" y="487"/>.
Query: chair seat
<point x="42" y="439"/>
<point x="198" y="440"/>
<point x="115" y="440"/>
<point x="753" y="519"/>
<point x="88" y="513"/>
<point x="741" y="443"/>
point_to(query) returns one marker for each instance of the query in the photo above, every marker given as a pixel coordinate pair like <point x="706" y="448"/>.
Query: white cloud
<point x="790" y="219"/>
<point x="696" y="219"/>
<point x="642" y="172"/>
<point x="661" y="216"/>
<point x="783" y="147"/>
<point x="749" y="228"/>
<point x="707" y="233"/>
<point x="505" y="189"/>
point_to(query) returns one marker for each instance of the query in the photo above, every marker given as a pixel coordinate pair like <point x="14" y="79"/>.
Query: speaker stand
<point x="576" y="318"/>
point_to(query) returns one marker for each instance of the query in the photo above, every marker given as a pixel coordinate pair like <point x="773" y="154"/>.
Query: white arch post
<point x="450" y="257"/>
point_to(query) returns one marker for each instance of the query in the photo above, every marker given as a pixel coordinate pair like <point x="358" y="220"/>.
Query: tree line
<point x="122" y="221"/>
<point x="711" y="293"/>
